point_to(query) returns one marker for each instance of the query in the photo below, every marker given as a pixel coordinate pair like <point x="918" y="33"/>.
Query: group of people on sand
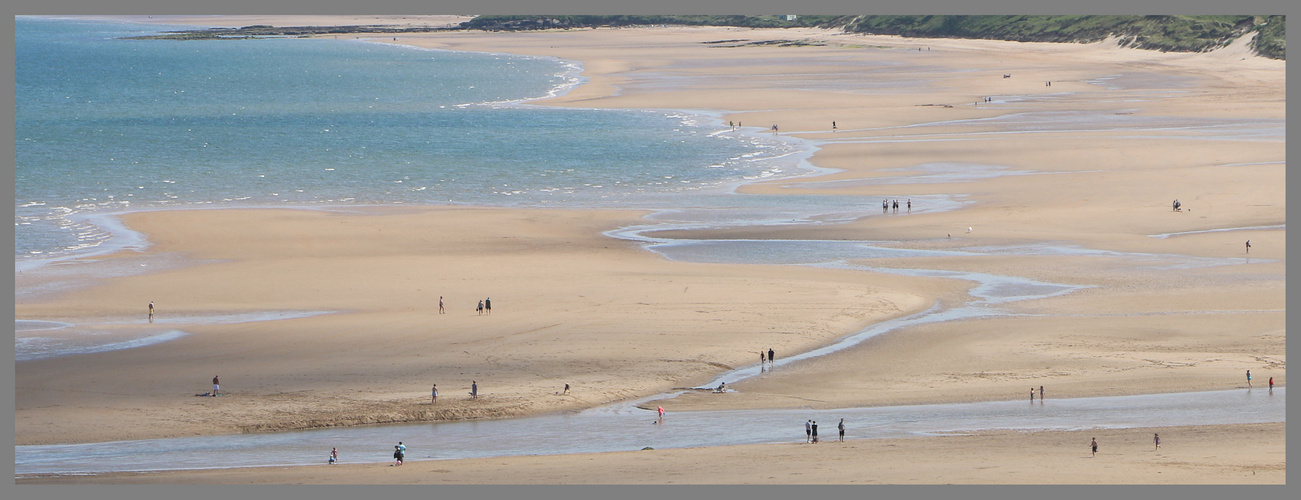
<point x="811" y="430"/>
<point x="485" y="306"/>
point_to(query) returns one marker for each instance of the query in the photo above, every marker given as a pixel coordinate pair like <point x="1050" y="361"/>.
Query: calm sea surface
<point x="104" y="124"/>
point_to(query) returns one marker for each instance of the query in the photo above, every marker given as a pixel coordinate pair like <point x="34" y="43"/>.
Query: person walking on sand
<point x="440" y="305"/>
<point x="397" y="455"/>
<point x="474" y="389"/>
<point x="1156" y="440"/>
<point x="808" y="431"/>
<point x="1094" y="446"/>
<point x="910" y="205"/>
<point x="216" y="386"/>
<point x="487" y="305"/>
<point x="1248" y="247"/>
<point x="841" y="427"/>
<point x="1248" y="379"/>
<point x="833" y="125"/>
<point x="480" y="308"/>
<point x="434" y="395"/>
<point x="151" y="311"/>
<point x="566" y="389"/>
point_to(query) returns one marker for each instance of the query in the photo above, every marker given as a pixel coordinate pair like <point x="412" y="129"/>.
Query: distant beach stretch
<point x="904" y="223"/>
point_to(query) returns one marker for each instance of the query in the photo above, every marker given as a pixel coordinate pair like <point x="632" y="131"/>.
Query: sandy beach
<point x="617" y="322"/>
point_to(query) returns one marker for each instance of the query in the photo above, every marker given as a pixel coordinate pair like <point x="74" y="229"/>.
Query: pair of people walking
<point x="485" y="305"/>
<point x="399" y="453"/>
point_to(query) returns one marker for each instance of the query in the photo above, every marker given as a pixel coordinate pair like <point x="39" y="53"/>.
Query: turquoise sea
<point x="104" y="125"/>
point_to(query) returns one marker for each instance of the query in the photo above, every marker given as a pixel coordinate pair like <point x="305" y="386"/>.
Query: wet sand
<point x="619" y="322"/>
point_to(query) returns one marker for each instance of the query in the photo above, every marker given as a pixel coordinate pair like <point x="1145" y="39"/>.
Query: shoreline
<point x="1089" y="355"/>
<point x="1224" y="454"/>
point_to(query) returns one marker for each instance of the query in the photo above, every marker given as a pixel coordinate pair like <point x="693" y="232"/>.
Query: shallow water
<point x="48" y="339"/>
<point x="624" y="428"/>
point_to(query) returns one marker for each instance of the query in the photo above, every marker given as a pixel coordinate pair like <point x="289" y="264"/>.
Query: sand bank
<point x="569" y="306"/>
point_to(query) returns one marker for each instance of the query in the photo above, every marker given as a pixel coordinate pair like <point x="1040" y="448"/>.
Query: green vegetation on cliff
<point x="1165" y="33"/>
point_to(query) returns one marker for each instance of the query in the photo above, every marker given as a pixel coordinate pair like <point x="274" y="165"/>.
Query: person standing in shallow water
<point x="1248" y="379"/>
<point x="771" y="355"/>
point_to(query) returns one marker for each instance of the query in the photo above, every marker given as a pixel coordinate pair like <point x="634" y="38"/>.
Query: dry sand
<point x="573" y="306"/>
